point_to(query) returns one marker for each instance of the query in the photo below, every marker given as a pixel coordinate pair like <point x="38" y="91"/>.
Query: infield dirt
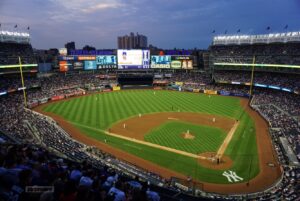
<point x="138" y="127"/>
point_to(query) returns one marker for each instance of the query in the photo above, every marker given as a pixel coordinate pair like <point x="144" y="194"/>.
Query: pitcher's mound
<point x="187" y="135"/>
<point x="211" y="162"/>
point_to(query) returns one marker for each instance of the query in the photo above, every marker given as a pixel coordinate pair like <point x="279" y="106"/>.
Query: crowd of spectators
<point x="289" y="102"/>
<point x="54" y="84"/>
<point x="24" y="168"/>
<point x="282" y="125"/>
<point x="10" y="53"/>
<point x="13" y="82"/>
<point x="284" y="53"/>
<point x="12" y="117"/>
<point x="289" y="81"/>
<point x="190" y="78"/>
<point x="278" y="111"/>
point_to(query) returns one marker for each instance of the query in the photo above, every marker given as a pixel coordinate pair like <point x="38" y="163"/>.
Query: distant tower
<point x="132" y="41"/>
<point x="70" y="46"/>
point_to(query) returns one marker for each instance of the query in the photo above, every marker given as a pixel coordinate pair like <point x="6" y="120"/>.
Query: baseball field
<point x="215" y="140"/>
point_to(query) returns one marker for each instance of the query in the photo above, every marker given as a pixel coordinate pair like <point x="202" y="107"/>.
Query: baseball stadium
<point x="148" y="123"/>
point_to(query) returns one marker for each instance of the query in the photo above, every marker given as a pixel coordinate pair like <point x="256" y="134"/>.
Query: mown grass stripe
<point x="116" y="106"/>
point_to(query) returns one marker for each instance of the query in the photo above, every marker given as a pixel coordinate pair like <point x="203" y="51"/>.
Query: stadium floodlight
<point x="252" y="39"/>
<point x="9" y="33"/>
<point x="258" y="65"/>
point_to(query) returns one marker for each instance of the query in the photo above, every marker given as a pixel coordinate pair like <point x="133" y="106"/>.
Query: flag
<point x="268" y="28"/>
<point x="238" y="31"/>
<point x="286" y="26"/>
<point x="16" y="26"/>
<point x="214" y="31"/>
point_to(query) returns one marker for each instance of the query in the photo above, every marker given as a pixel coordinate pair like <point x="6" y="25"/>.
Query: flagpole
<point x="22" y="79"/>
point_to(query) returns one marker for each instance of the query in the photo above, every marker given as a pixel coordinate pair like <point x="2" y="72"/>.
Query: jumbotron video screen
<point x="133" y="59"/>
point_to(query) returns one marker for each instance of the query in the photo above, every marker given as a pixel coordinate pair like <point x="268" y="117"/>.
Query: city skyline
<point x="178" y="24"/>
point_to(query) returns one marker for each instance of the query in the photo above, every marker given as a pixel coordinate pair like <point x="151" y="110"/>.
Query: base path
<point x="156" y="146"/>
<point x="227" y="140"/>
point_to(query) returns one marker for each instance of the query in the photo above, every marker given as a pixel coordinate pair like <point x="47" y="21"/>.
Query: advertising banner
<point x="189" y="89"/>
<point x="224" y="93"/>
<point x="116" y="88"/>
<point x="161" y="61"/>
<point x="11" y="90"/>
<point x="44" y="100"/>
<point x="160" y="82"/>
<point x="106" y="90"/>
<point x="91" y="52"/>
<point x="222" y="82"/>
<point x="187" y="64"/>
<point x="90" y="58"/>
<point x="57" y="97"/>
<point x="111" y="77"/>
<point x="184" y="62"/>
<point x="212" y="92"/>
<point x="106" y="62"/>
<point x="78" y="65"/>
<point x="63" y="66"/>
<point x="3" y="93"/>
<point x="179" y="83"/>
<point x="176" y="64"/>
<point x="227" y="93"/>
<point x="158" y="76"/>
<point x="67" y="58"/>
<point x="239" y="94"/>
<point x="90" y="65"/>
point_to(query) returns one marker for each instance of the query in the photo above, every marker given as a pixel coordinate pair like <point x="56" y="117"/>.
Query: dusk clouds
<point x="167" y="23"/>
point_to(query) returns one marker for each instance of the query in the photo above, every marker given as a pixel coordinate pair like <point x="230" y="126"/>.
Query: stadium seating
<point x="22" y="123"/>
<point x="35" y="150"/>
<point x="9" y="53"/>
<point x="287" y="53"/>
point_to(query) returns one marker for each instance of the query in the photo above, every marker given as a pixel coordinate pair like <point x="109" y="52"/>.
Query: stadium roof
<point x="257" y="39"/>
<point x="16" y="37"/>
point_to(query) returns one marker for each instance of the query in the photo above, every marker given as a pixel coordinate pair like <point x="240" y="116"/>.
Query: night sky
<point x="167" y="23"/>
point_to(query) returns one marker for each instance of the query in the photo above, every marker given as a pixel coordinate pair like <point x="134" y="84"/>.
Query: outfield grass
<point x="206" y="139"/>
<point x="92" y="114"/>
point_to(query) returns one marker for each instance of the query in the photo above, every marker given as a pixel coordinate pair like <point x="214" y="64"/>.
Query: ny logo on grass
<point x="232" y="176"/>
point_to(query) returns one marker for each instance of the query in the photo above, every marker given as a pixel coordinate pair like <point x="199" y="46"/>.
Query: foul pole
<point x="252" y="76"/>
<point x="22" y="79"/>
